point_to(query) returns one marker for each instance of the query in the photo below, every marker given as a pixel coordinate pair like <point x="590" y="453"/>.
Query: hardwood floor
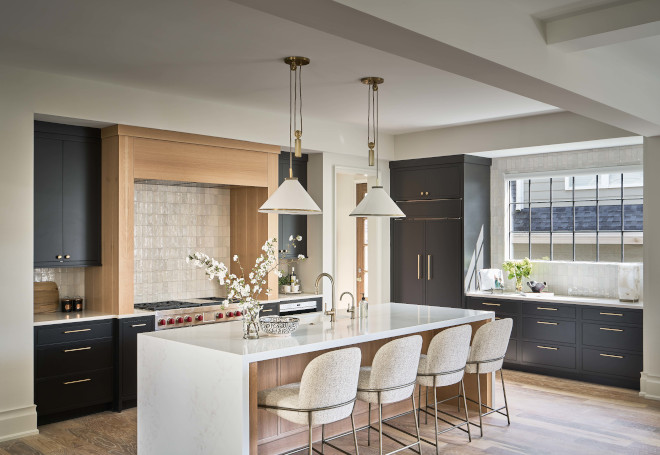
<point x="548" y="416"/>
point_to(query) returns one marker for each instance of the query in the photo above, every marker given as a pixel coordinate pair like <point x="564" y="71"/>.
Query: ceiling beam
<point x="339" y="20"/>
<point x="604" y="26"/>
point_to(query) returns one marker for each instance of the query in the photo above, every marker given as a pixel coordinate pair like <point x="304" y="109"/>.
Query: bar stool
<point x="487" y="356"/>
<point x="444" y="365"/>
<point x="325" y="394"/>
<point x="391" y="378"/>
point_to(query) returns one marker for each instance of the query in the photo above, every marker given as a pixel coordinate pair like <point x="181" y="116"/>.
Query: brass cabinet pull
<point x="78" y="349"/>
<point x="612" y="314"/>
<point x="68" y="256"/>
<point x="548" y="347"/>
<point x="547" y="323"/>
<point x="419" y="258"/>
<point x="546" y="309"/>
<point x="611" y="330"/>
<point x="426" y="194"/>
<point x="59" y="256"/>
<point x="421" y="193"/>
<point x="78" y="381"/>
<point x="490" y="304"/>
<point x="266" y="311"/>
<point x="76" y="331"/>
<point x="497" y="318"/>
<point x="138" y="325"/>
<point x="612" y="356"/>
<point x="428" y="267"/>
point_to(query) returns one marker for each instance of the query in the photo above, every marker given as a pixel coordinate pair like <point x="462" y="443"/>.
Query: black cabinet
<point x="292" y="225"/>
<point x="445" y="238"/>
<point x="67" y="195"/>
<point x="74" y="369"/>
<point x="595" y="344"/>
<point x="128" y="330"/>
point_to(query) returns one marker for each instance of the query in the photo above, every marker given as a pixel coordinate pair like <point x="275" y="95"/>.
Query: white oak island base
<point x="197" y="386"/>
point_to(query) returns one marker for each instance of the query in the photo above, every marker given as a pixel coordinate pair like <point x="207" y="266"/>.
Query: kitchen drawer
<point x="613" y="315"/>
<point x="611" y="362"/>
<point x="496" y="305"/>
<point x="548" y="310"/>
<point x="515" y="329"/>
<point x="73" y="391"/>
<point x="74" y="331"/>
<point x="612" y="336"/>
<point x="270" y="309"/>
<point x="549" y="355"/>
<point x="548" y="330"/>
<point x="69" y="358"/>
<point x="445" y="208"/>
<point x="511" y="352"/>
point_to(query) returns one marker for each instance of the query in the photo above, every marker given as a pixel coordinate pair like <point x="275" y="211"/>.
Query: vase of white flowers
<point x="244" y="289"/>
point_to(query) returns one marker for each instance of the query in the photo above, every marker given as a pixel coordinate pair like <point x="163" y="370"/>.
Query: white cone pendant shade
<point x="377" y="203"/>
<point x="290" y="199"/>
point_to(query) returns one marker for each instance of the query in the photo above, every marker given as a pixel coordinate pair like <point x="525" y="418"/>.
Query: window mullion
<point x="597" y="222"/>
<point x="573" y="200"/>
<point x="529" y="227"/>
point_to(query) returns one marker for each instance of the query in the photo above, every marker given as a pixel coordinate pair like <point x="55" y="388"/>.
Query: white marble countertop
<point x="577" y="300"/>
<point x="82" y="316"/>
<point x="317" y="333"/>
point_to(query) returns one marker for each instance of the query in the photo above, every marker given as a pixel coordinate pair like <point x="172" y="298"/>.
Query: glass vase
<point x="251" y="324"/>
<point x="519" y="284"/>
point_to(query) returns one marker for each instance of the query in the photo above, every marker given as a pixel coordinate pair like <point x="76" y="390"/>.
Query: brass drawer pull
<point x="546" y="309"/>
<point x="612" y="356"/>
<point x="611" y="330"/>
<point x="266" y="311"/>
<point x="547" y="323"/>
<point x="428" y="268"/>
<point x="78" y="381"/>
<point x="612" y="314"/>
<point x="78" y="349"/>
<point x="419" y="257"/>
<point x="497" y="318"/>
<point x="491" y="304"/>
<point x="547" y="347"/>
<point x="76" y="331"/>
<point x="138" y="325"/>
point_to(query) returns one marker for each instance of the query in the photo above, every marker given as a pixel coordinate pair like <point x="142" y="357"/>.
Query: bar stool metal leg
<point x="419" y="437"/>
<point x="506" y="405"/>
<point x="435" y="415"/>
<point x="322" y="439"/>
<point x="467" y="418"/>
<point x="419" y="410"/>
<point x="426" y="416"/>
<point x="458" y="400"/>
<point x="481" y="425"/>
<point x="369" y="427"/>
<point x="311" y="450"/>
<point x="357" y="452"/>
<point x="380" y="425"/>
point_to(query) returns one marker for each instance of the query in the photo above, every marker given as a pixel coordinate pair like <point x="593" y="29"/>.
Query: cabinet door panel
<point x="130" y="328"/>
<point x="47" y="201"/>
<point x="81" y="211"/>
<point x="408" y="270"/>
<point x="442" y="182"/>
<point x="443" y="279"/>
<point x="407" y="184"/>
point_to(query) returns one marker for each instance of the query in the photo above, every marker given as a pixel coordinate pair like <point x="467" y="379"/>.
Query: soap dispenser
<point x="363" y="307"/>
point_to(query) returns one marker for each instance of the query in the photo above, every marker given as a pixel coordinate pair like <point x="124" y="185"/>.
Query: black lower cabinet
<point x="74" y="369"/>
<point x="594" y="344"/>
<point x="127" y="334"/>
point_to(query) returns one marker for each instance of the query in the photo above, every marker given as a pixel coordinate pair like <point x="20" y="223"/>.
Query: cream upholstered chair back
<point x="329" y="380"/>
<point x="489" y="343"/>
<point x="447" y="352"/>
<point x="395" y="364"/>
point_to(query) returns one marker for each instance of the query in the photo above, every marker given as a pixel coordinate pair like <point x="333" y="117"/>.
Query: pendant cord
<point x="375" y="110"/>
<point x="290" y="117"/>
<point x="369" y="115"/>
<point x="301" y="100"/>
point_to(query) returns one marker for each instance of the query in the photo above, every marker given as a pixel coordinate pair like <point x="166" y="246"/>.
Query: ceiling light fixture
<point x="376" y="202"/>
<point x="291" y="198"/>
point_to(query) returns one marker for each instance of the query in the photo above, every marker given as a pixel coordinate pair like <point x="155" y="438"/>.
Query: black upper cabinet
<point x="67" y="195"/>
<point x="292" y="225"/>
<point x="445" y="237"/>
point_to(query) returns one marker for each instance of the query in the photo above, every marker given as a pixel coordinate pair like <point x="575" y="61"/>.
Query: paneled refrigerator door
<point x="408" y="256"/>
<point x="443" y="261"/>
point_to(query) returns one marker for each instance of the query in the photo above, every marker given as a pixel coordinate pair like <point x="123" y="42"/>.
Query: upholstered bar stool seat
<point x="325" y="394"/>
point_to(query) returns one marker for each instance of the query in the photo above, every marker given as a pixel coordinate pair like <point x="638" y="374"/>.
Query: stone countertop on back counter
<point x="569" y="299"/>
<point x="83" y="316"/>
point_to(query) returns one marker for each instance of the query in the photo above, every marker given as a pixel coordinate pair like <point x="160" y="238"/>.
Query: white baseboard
<point x="18" y="423"/>
<point x="649" y="386"/>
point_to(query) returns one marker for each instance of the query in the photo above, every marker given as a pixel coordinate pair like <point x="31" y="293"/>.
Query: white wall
<point x="346" y="235"/>
<point x="574" y="278"/>
<point x="25" y="93"/>
<point x="558" y="128"/>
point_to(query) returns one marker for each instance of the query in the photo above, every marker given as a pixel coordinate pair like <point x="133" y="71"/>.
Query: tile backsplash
<point x="70" y="280"/>
<point x="172" y="221"/>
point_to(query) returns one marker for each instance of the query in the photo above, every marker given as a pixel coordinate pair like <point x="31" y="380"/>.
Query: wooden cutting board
<point x="46" y="297"/>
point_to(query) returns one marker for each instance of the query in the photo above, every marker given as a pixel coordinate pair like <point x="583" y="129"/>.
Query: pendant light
<point x="376" y="202"/>
<point x="291" y="198"/>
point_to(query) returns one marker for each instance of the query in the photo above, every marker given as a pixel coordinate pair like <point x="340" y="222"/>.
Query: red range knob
<point x="238" y="313"/>
<point x="219" y="316"/>
<point x="161" y="322"/>
<point x="179" y="320"/>
<point x="199" y="317"/>
<point x="230" y="314"/>
<point x="170" y="321"/>
<point x="188" y="318"/>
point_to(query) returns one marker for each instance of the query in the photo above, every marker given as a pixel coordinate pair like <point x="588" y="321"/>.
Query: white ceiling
<point x="227" y="52"/>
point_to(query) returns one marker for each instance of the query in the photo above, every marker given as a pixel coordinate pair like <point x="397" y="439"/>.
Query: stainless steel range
<point x="171" y="314"/>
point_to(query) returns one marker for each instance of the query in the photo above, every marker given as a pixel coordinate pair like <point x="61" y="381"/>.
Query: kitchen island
<point x="197" y="386"/>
